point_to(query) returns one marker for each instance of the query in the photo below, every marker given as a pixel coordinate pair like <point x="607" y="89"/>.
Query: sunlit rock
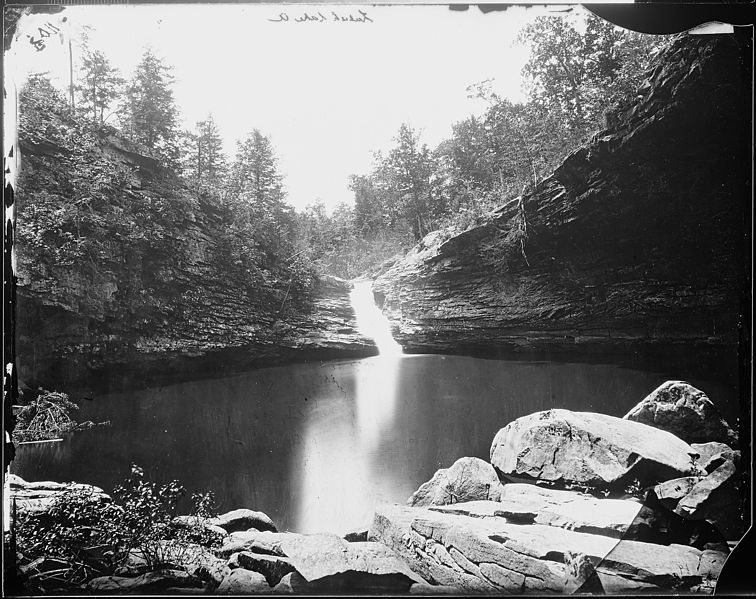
<point x="243" y="582"/>
<point x="589" y="449"/>
<point x="468" y="479"/>
<point x="243" y="519"/>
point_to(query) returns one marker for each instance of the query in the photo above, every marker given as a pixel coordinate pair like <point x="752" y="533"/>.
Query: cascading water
<point x="371" y="322"/>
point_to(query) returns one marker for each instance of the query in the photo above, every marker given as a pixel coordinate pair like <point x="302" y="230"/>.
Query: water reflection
<point x="316" y="445"/>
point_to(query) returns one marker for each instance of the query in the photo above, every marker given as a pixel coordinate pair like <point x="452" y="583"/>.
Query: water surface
<point x="317" y="445"/>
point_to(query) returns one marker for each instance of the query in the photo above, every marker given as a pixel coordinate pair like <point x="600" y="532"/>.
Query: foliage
<point x="80" y="530"/>
<point x="92" y="535"/>
<point x="150" y="114"/>
<point x="101" y="84"/>
<point x="48" y="416"/>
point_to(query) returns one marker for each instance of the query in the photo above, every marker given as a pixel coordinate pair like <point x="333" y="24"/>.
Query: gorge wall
<point x="638" y="239"/>
<point x="162" y="304"/>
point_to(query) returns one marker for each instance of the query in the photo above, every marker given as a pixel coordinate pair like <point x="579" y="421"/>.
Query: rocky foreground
<point x="570" y="501"/>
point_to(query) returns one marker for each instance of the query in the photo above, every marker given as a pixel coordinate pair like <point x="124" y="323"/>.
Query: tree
<point x="204" y="162"/>
<point x="256" y="189"/>
<point x="101" y="84"/>
<point x="407" y="170"/>
<point x="150" y="112"/>
<point x="578" y="75"/>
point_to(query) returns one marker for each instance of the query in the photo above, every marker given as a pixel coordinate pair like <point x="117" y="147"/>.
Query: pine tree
<point x="205" y="165"/>
<point x="151" y="113"/>
<point x="101" y="84"/>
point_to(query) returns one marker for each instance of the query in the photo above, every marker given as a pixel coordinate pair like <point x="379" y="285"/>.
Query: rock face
<point x="56" y="344"/>
<point x="467" y="479"/>
<point x="293" y="562"/>
<point x="589" y="449"/>
<point x="635" y="240"/>
<point x="684" y="411"/>
<point x="492" y="554"/>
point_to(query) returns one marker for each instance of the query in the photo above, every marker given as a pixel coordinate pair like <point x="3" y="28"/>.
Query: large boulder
<point x="495" y="555"/>
<point x="589" y="449"/>
<point x="468" y="479"/>
<point x="684" y="411"/>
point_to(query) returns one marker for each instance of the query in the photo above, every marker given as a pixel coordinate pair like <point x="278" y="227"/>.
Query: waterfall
<point x="371" y="322"/>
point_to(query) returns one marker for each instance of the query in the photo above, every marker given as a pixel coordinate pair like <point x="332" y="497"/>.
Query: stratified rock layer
<point x="635" y="240"/>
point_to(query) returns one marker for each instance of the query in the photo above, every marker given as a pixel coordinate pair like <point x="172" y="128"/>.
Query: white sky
<point x="328" y="94"/>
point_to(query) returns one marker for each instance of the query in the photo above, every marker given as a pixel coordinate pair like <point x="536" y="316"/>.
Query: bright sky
<point x="328" y="94"/>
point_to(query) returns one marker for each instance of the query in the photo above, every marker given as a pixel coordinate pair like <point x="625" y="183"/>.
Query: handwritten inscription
<point x="47" y="30"/>
<point x="318" y="17"/>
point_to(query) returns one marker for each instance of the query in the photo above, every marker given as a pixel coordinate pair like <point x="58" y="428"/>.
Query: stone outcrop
<point x="467" y="479"/>
<point x="635" y="240"/>
<point x="38" y="497"/>
<point x="292" y="562"/>
<point x="589" y="449"/>
<point x="684" y="411"/>
<point x="494" y="554"/>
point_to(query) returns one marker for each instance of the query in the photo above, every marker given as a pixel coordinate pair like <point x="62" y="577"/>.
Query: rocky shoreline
<point x="569" y="501"/>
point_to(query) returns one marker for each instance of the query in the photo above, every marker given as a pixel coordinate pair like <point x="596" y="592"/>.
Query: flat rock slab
<point x="683" y="410"/>
<point x="37" y="497"/>
<point x="590" y="449"/>
<point x="490" y="554"/>
<point x="468" y="479"/>
<point x="151" y="581"/>
<point x="531" y="504"/>
<point x="319" y="556"/>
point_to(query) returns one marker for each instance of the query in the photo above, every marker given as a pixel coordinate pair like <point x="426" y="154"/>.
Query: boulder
<point x="293" y="583"/>
<point x="243" y="519"/>
<point x="243" y="582"/>
<point x="254" y="540"/>
<point x="684" y="411"/>
<point x="532" y="504"/>
<point x="716" y="499"/>
<point x="491" y="554"/>
<point x="671" y="491"/>
<point x="158" y="580"/>
<point x="356" y="536"/>
<point x="713" y="454"/>
<point x="362" y="565"/>
<point x="468" y="479"/>
<point x="589" y="449"/>
<point x="272" y="567"/>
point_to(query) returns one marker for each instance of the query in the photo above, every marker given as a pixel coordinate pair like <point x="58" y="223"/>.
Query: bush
<point x="90" y="535"/>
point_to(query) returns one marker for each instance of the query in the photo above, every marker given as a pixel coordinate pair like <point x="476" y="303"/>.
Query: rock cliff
<point x="146" y="315"/>
<point x="639" y="238"/>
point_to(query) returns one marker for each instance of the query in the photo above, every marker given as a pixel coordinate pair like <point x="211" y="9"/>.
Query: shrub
<point x="90" y="535"/>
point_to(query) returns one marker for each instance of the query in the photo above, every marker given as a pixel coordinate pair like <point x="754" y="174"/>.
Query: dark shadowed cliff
<point x="638" y="239"/>
<point x="125" y="275"/>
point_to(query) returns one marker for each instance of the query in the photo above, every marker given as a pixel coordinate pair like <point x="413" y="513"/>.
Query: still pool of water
<point x="317" y="445"/>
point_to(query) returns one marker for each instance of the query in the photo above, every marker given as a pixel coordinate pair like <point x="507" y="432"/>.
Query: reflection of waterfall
<point x="370" y="320"/>
<point x="342" y="479"/>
